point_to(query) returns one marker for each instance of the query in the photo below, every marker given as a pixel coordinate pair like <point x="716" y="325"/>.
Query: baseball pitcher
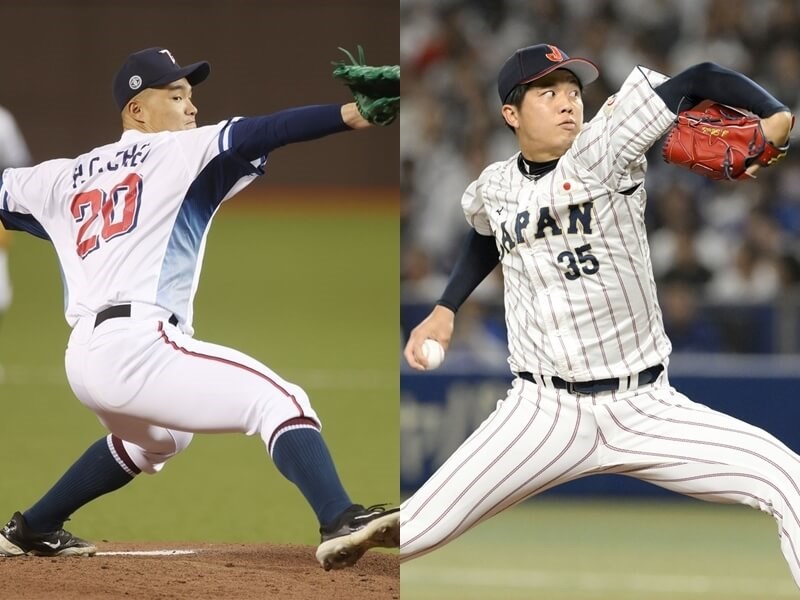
<point x="565" y="219"/>
<point x="129" y="222"/>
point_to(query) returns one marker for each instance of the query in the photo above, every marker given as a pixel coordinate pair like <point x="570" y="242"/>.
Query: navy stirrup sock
<point x="303" y="458"/>
<point x="92" y="475"/>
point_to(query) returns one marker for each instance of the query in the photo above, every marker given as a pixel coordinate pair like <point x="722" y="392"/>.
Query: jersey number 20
<point x="119" y="209"/>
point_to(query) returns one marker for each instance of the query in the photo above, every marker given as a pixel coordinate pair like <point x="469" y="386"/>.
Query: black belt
<point x="599" y="385"/>
<point x="121" y="310"/>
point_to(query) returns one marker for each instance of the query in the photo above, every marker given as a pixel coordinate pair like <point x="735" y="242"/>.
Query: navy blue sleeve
<point x="254" y="137"/>
<point x="709" y="81"/>
<point x="21" y="222"/>
<point x="477" y="259"/>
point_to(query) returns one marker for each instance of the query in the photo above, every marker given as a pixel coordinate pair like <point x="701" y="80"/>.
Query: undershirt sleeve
<point x="254" y="137"/>
<point x="709" y="81"/>
<point x="478" y="257"/>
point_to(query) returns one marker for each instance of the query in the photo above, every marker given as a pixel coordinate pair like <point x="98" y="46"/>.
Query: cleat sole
<point x="346" y="550"/>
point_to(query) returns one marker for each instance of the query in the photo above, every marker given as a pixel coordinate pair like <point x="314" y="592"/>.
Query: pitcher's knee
<point x="151" y="459"/>
<point x="304" y="422"/>
<point x="286" y="410"/>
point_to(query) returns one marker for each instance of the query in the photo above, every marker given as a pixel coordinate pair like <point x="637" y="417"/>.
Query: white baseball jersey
<point x="580" y="298"/>
<point x="129" y="220"/>
<point x="581" y="304"/>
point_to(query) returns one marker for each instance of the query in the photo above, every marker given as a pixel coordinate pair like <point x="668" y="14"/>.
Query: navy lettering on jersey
<point x="582" y="213"/>
<point x="507" y="242"/>
<point x="578" y="213"/>
<point x="521" y="223"/>
<point x="546" y="220"/>
<point x="129" y="158"/>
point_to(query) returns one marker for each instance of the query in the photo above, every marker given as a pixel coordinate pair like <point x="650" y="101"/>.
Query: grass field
<point x="598" y="550"/>
<point x="311" y="293"/>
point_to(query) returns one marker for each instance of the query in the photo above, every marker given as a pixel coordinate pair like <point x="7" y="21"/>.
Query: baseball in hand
<point x="433" y="353"/>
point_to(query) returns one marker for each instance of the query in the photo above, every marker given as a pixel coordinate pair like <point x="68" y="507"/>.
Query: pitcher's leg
<point x="107" y="465"/>
<point x="691" y="449"/>
<point x="233" y="392"/>
<point x="96" y="472"/>
<point x="214" y="388"/>
<point x="39" y="530"/>
<point x="535" y="439"/>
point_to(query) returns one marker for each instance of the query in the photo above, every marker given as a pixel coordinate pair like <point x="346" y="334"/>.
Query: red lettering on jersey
<point x="119" y="210"/>
<point x="554" y="55"/>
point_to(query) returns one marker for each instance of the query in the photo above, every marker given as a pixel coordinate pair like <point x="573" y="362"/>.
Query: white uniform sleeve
<point x="28" y="190"/>
<point x="474" y="210"/>
<point x="200" y="146"/>
<point x="627" y="125"/>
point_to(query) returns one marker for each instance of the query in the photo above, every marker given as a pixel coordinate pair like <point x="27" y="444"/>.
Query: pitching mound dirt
<point x="214" y="571"/>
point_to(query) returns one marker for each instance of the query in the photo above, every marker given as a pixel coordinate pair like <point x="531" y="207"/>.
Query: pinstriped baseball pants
<point x="539" y="437"/>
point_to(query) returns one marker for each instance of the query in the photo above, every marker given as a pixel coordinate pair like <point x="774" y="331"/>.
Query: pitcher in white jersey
<point x="129" y="222"/>
<point x="565" y="219"/>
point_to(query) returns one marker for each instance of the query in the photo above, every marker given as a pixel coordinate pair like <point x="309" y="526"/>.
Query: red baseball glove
<point x="719" y="142"/>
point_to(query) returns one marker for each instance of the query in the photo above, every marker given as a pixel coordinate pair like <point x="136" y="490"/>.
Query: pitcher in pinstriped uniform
<point x="565" y="219"/>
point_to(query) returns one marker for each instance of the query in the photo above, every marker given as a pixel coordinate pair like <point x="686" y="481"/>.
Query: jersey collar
<point x="535" y="170"/>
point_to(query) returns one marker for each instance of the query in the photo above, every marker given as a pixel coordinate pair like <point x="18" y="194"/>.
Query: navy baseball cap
<point x="153" y="67"/>
<point x="533" y="62"/>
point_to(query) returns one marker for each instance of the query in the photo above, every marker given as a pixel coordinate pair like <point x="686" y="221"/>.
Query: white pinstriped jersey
<point x="129" y="220"/>
<point x="580" y="297"/>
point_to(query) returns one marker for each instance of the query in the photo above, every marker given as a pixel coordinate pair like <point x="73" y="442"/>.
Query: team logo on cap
<point x="168" y="53"/>
<point x="554" y="55"/>
<point x="135" y="82"/>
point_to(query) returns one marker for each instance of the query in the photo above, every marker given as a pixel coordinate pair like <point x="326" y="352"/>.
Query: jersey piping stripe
<point x="224" y="137"/>
<point x="121" y="455"/>
<point x="232" y="363"/>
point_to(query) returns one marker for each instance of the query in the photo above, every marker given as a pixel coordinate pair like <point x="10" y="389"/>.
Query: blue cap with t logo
<point x="153" y="67"/>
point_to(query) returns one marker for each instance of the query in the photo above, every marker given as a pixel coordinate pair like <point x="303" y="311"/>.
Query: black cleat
<point x="16" y="539"/>
<point x="354" y="532"/>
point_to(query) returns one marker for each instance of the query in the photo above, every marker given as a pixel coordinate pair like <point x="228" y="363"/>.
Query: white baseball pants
<point x="152" y="386"/>
<point x="540" y="437"/>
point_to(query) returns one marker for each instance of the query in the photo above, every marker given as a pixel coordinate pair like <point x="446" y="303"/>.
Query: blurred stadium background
<point x="301" y="271"/>
<point x="726" y="257"/>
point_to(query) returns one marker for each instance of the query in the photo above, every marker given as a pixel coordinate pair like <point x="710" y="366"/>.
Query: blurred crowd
<point x="726" y="255"/>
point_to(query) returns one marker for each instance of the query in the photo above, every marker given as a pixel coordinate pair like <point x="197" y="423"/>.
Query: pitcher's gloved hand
<point x="376" y="90"/>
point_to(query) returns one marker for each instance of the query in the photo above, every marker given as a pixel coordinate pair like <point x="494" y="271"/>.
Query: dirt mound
<point x="213" y="571"/>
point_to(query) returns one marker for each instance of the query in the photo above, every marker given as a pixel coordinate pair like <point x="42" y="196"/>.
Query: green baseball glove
<point x="376" y="89"/>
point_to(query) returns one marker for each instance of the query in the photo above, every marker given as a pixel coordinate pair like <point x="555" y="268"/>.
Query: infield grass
<point x="602" y="550"/>
<point x="311" y="293"/>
